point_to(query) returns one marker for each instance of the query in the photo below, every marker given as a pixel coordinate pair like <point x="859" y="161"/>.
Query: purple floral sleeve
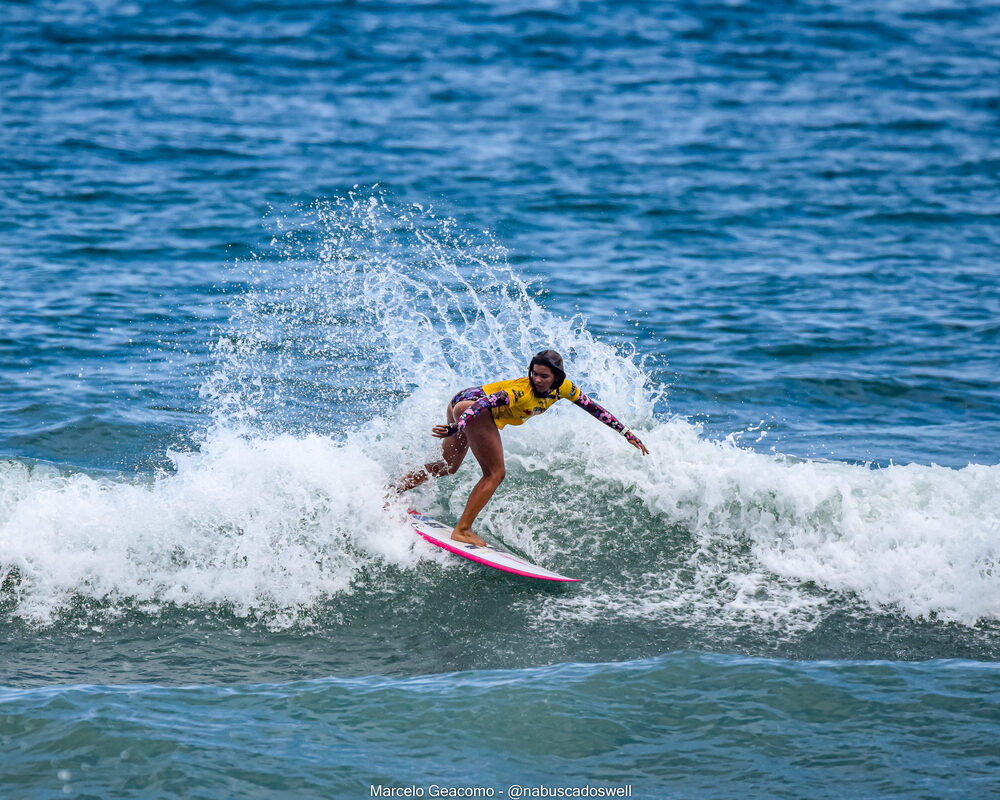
<point x="595" y="410"/>
<point x="500" y="398"/>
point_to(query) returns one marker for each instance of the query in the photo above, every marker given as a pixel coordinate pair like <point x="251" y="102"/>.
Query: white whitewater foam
<point x="274" y="527"/>
<point x="270" y="527"/>
<point x="767" y="531"/>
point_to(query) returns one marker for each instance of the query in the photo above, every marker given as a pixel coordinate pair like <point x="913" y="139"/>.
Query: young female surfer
<point x="509" y="403"/>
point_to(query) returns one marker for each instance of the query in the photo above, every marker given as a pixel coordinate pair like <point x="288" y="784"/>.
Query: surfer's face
<point x="542" y="379"/>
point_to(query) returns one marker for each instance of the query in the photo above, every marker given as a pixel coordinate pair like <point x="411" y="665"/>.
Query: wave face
<point x="361" y="318"/>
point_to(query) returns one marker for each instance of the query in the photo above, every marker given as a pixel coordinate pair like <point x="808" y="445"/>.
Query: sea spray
<point x="362" y="302"/>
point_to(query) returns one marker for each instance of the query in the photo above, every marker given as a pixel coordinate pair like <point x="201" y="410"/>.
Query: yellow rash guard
<point x="524" y="403"/>
<point x="512" y="402"/>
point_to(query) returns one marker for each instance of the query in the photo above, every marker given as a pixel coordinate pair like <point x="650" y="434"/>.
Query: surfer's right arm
<point x="500" y="398"/>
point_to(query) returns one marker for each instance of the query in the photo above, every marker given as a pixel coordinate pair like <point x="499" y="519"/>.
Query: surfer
<point x="509" y="403"/>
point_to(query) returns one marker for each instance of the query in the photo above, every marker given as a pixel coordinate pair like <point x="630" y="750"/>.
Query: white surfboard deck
<point x="440" y="535"/>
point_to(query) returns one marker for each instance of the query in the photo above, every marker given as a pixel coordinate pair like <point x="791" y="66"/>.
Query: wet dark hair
<point x="552" y="360"/>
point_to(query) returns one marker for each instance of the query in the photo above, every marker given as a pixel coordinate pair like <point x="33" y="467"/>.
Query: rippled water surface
<point x="249" y="250"/>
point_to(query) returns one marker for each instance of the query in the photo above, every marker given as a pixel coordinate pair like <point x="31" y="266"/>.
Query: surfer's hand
<point x="442" y="431"/>
<point x="636" y="442"/>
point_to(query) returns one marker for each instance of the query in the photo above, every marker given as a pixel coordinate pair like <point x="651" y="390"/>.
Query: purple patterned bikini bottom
<point x="472" y="393"/>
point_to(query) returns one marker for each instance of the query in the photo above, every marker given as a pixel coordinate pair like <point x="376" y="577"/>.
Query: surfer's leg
<point x="453" y="450"/>
<point x="487" y="447"/>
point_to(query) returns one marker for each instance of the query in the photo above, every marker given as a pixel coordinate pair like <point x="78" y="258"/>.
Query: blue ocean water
<point x="249" y="250"/>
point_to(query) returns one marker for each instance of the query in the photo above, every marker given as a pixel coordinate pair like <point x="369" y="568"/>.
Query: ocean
<point x="249" y="251"/>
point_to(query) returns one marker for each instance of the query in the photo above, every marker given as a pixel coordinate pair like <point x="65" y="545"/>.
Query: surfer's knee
<point x="496" y="476"/>
<point x="439" y="468"/>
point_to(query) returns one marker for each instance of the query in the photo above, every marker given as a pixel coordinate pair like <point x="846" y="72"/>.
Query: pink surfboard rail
<point x="440" y="535"/>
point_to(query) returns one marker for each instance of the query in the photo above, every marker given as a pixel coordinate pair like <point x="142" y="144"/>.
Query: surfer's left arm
<point x="595" y="410"/>
<point x="495" y="400"/>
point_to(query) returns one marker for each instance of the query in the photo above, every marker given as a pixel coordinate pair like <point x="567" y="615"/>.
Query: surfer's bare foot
<point x="468" y="537"/>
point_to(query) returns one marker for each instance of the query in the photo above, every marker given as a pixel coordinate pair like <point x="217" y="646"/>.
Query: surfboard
<point x="439" y="534"/>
